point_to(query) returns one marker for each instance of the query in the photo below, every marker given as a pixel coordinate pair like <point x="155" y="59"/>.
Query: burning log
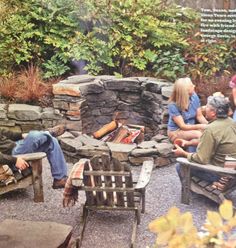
<point x="105" y="129"/>
<point x="118" y="133"/>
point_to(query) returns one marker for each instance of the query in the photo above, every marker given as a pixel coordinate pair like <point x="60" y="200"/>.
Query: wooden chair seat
<point x="34" y="178"/>
<point x="108" y="185"/>
<point x="202" y="187"/>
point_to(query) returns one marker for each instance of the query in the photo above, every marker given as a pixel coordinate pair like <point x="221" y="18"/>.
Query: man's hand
<point x="21" y="164"/>
<point x="179" y="152"/>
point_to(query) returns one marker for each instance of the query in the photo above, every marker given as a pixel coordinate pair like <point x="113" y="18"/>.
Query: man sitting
<point x="217" y="142"/>
<point x="13" y="143"/>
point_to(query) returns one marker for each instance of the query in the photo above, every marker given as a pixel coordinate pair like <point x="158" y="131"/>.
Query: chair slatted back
<point x="109" y="183"/>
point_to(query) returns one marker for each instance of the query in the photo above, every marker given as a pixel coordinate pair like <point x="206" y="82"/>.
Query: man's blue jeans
<point x="42" y="141"/>
<point x="203" y="175"/>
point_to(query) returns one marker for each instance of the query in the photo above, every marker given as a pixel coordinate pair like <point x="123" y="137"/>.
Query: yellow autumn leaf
<point x="164" y="237"/>
<point x="217" y="241"/>
<point x="232" y="222"/>
<point x="214" y="219"/>
<point x="159" y="225"/>
<point x="173" y="216"/>
<point x="176" y="242"/>
<point x="226" y="210"/>
<point x="186" y="222"/>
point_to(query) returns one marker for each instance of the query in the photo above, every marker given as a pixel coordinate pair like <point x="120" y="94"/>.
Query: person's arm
<point x="186" y="143"/>
<point x="200" y="117"/>
<point x="183" y="126"/>
<point x="205" y="149"/>
<point x="19" y="162"/>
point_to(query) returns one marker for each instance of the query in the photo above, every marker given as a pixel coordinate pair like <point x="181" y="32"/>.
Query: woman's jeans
<point x="42" y="141"/>
<point x="203" y="175"/>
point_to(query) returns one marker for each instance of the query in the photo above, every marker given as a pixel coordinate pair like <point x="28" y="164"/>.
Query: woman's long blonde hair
<point x="180" y="94"/>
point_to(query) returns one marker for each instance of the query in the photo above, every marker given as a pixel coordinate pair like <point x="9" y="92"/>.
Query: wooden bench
<point x="35" y="178"/>
<point x="109" y="185"/>
<point x="194" y="184"/>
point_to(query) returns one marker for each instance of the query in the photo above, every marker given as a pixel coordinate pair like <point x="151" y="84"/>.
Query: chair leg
<point x="134" y="230"/>
<point x="135" y="224"/>
<point x="37" y="180"/>
<point x="83" y="224"/>
<point x="185" y="181"/>
<point x="143" y="201"/>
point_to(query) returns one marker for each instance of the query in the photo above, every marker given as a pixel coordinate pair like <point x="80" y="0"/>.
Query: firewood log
<point x="105" y="129"/>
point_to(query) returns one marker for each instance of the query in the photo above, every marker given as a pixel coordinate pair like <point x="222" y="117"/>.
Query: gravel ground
<point x="110" y="229"/>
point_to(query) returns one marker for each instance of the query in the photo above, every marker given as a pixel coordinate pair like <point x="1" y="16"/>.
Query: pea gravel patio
<point x="106" y="230"/>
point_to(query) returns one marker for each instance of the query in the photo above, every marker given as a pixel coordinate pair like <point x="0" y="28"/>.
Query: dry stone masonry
<point x="101" y="99"/>
<point x="87" y="103"/>
<point x="95" y="101"/>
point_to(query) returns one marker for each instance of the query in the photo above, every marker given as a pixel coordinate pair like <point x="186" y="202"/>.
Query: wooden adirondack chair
<point x="33" y="178"/>
<point x="108" y="185"/>
<point x="194" y="184"/>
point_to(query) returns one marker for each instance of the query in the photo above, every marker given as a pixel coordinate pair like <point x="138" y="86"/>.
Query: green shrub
<point x="38" y="32"/>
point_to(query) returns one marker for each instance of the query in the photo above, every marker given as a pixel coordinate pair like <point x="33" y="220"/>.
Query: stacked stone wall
<point x="98" y="100"/>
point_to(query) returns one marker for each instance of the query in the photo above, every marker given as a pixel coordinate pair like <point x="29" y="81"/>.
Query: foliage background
<point x="124" y="38"/>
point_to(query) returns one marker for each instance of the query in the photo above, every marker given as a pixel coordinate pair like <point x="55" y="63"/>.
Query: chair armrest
<point x="145" y="175"/>
<point x="208" y="167"/>
<point x="32" y="156"/>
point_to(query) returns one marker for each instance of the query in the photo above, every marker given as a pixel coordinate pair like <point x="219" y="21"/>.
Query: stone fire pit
<point x="95" y="101"/>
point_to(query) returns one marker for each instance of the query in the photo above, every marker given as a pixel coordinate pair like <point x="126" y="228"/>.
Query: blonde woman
<point x="184" y="110"/>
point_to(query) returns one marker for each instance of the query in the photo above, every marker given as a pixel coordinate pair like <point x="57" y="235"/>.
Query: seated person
<point x="13" y="143"/>
<point x="217" y="141"/>
<point x="184" y="109"/>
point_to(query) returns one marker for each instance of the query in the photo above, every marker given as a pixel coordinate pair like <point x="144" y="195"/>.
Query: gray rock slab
<point x="139" y="160"/>
<point x="3" y="111"/>
<point x="166" y="91"/>
<point x="103" y="96"/>
<point x="7" y="123"/>
<point x="106" y="77"/>
<point x="51" y="113"/>
<point x="71" y="145"/>
<point x="144" y="152"/>
<point x="147" y="144"/>
<point x="66" y="89"/>
<point x="87" y="140"/>
<point x="79" y="79"/>
<point x="123" y="85"/>
<point x="28" y="234"/>
<point x="121" y="151"/>
<point x="24" y="112"/>
<point x="66" y="135"/>
<point x="130" y="97"/>
<point x="159" y="137"/>
<point x="60" y="104"/>
<point x="67" y="98"/>
<point x="164" y="149"/>
<point x="150" y="96"/>
<point x="95" y="87"/>
<point x="90" y="151"/>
